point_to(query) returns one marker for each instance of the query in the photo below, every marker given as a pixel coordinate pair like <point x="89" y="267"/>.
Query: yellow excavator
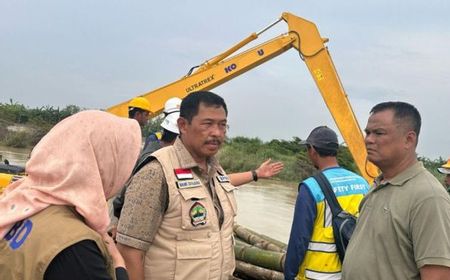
<point x="9" y="174"/>
<point x="303" y="36"/>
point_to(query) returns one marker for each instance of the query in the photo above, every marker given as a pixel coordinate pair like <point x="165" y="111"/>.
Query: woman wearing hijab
<point x="53" y="222"/>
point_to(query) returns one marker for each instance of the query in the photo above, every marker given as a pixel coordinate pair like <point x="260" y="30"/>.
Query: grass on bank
<point x="237" y="154"/>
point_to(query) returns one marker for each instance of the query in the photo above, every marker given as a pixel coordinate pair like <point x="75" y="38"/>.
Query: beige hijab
<point x="83" y="160"/>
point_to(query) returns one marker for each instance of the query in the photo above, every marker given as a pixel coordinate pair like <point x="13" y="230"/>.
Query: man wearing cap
<point x="311" y="252"/>
<point x="445" y="169"/>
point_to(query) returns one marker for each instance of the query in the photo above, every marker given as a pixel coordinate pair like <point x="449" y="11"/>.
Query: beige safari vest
<point x="190" y="244"/>
<point x="33" y="243"/>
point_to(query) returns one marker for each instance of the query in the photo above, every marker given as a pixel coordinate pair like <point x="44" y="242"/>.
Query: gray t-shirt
<point x="403" y="225"/>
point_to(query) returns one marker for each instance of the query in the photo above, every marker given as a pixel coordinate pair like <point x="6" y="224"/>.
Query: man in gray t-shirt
<point x="403" y="231"/>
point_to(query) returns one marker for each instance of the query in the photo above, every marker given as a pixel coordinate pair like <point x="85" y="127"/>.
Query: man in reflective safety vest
<point x="311" y="250"/>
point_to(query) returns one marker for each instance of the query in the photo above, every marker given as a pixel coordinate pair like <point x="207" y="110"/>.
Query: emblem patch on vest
<point x="183" y="174"/>
<point x="198" y="214"/>
<point x="223" y="178"/>
<point x="189" y="184"/>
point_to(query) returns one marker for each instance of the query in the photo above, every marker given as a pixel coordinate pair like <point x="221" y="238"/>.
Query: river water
<point x="15" y="156"/>
<point x="266" y="207"/>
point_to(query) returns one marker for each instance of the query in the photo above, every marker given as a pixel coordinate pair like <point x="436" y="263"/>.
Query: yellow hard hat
<point x="445" y="168"/>
<point x="140" y="102"/>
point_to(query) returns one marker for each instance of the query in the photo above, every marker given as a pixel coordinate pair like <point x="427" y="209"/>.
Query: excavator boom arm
<point x="209" y="75"/>
<point x="318" y="60"/>
<point x="303" y="36"/>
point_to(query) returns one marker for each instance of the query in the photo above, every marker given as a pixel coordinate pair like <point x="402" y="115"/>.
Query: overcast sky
<point x="96" y="54"/>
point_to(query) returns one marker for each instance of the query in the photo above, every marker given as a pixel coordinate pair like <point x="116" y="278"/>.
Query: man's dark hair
<point x="402" y="111"/>
<point x="190" y="104"/>
<point x="324" y="152"/>
<point x="132" y="111"/>
<point x="168" y="136"/>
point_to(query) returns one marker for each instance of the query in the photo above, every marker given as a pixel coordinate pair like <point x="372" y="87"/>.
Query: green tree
<point x="36" y="121"/>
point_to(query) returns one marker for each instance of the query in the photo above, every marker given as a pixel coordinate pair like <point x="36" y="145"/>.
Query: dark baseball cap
<point x="322" y="137"/>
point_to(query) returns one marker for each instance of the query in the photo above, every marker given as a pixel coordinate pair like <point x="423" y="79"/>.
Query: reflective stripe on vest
<point x="328" y="215"/>
<point x="321" y="275"/>
<point x="322" y="247"/>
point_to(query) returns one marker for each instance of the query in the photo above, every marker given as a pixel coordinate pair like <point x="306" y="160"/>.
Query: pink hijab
<point x="83" y="160"/>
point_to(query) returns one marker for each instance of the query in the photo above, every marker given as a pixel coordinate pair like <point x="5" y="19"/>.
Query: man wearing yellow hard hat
<point x="139" y="109"/>
<point x="445" y="169"/>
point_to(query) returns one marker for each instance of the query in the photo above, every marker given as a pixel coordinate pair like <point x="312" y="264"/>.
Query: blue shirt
<point x="301" y="231"/>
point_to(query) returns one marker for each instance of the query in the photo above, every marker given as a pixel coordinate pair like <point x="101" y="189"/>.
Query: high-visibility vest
<point x="321" y="260"/>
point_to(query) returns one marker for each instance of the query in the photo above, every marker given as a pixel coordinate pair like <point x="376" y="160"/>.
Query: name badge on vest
<point x="183" y="174"/>
<point x="186" y="184"/>
<point x="198" y="214"/>
<point x="223" y="179"/>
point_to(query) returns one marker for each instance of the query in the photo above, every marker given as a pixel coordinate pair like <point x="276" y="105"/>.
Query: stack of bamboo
<point x="258" y="256"/>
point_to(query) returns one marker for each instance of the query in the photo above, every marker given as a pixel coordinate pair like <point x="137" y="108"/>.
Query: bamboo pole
<point x="259" y="257"/>
<point x="259" y="240"/>
<point x="257" y="272"/>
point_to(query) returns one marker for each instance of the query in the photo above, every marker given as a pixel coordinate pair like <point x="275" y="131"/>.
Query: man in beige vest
<point x="177" y="219"/>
